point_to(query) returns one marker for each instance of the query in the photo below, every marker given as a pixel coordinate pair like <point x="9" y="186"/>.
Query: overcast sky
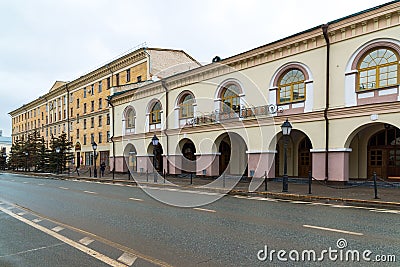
<point x="42" y="41"/>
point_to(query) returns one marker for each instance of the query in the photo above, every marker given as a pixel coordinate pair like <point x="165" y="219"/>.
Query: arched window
<point x="130" y="119"/>
<point x="186" y="107"/>
<point x="230" y="99"/>
<point x="155" y="113"/>
<point x="292" y="87"/>
<point x="378" y="69"/>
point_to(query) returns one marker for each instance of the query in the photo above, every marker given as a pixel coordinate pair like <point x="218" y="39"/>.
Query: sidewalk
<point x="355" y="193"/>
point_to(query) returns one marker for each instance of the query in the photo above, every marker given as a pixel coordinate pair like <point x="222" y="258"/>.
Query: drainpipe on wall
<point x="113" y="121"/>
<point x="164" y="85"/>
<point x="68" y="123"/>
<point x="328" y="46"/>
<point x="112" y="137"/>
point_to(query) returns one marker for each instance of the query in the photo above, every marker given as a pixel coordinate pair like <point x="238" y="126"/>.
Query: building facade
<point x="80" y="108"/>
<point x="337" y="83"/>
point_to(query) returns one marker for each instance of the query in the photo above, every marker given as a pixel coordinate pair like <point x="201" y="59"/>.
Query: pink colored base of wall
<point x="338" y="166"/>
<point x="261" y="163"/>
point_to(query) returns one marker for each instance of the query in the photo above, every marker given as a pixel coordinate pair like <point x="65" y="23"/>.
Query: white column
<point x="349" y="89"/>
<point x="309" y="103"/>
<point x="176" y="117"/>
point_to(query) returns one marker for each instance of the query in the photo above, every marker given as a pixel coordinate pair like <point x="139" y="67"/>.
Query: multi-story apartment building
<point x="80" y="107"/>
<point x="337" y="84"/>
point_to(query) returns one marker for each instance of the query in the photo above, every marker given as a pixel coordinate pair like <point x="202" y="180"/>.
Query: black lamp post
<point x="58" y="160"/>
<point x="26" y="160"/>
<point x="286" y="129"/>
<point x="94" y="146"/>
<point x="154" y="141"/>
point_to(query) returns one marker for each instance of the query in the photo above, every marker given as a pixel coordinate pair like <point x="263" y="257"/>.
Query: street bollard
<point x="223" y="181"/>
<point x="191" y="178"/>
<point x="129" y="175"/>
<point x="147" y="175"/>
<point x="90" y="172"/>
<point x="266" y="181"/>
<point x="165" y="174"/>
<point x="309" y="182"/>
<point x="375" y="187"/>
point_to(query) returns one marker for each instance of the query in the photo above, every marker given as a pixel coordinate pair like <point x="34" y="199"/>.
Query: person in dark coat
<point x="102" y="168"/>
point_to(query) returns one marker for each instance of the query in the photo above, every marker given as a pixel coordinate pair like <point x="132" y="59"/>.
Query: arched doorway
<point x="384" y="153"/>
<point x="187" y="164"/>
<point x="155" y="157"/>
<point x="225" y="150"/>
<point x="299" y="159"/>
<point x="304" y="157"/>
<point x="130" y="156"/>
<point x="232" y="154"/>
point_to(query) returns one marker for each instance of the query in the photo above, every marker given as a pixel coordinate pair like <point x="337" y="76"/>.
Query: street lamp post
<point x="94" y="146"/>
<point x="286" y="129"/>
<point x="154" y="141"/>
<point x="26" y="160"/>
<point x="58" y="160"/>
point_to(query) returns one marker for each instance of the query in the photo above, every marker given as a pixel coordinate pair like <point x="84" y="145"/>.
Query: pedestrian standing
<point x="102" y="168"/>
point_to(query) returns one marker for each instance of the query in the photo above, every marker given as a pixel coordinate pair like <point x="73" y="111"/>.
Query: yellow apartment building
<point x="80" y="107"/>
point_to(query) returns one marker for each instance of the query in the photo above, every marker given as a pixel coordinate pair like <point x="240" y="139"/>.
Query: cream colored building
<point x="338" y="85"/>
<point x="80" y="107"/>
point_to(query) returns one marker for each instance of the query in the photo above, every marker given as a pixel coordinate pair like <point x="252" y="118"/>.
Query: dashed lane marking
<point x="21" y="213"/>
<point x="386" y="211"/>
<point x="25" y="182"/>
<point x="68" y="241"/>
<point x="86" y="241"/>
<point x="89" y="192"/>
<point x="65" y="188"/>
<point x="207" y="210"/>
<point x="37" y="220"/>
<point x="127" y="259"/>
<point x="57" y="229"/>
<point x="136" y="199"/>
<point x="332" y="229"/>
<point x="40" y="184"/>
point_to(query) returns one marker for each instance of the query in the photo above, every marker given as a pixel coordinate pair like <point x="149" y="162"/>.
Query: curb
<point x="286" y="196"/>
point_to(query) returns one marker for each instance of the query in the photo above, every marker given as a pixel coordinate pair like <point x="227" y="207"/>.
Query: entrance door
<point x="78" y="159"/>
<point x="304" y="158"/>
<point x="376" y="162"/>
<point x="384" y="153"/>
<point x="225" y="150"/>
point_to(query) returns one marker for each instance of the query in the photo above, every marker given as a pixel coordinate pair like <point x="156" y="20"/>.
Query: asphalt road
<point x="46" y="222"/>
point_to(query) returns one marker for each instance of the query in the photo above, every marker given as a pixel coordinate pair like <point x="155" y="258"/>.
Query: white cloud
<point x="45" y="40"/>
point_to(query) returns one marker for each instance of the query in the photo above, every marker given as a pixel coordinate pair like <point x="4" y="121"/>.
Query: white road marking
<point x="332" y="230"/>
<point x="386" y="211"/>
<point x="1" y="203"/>
<point x="57" y="229"/>
<point x="10" y="208"/>
<point x="26" y="182"/>
<point x="68" y="241"/>
<point x="65" y="188"/>
<point x="40" y="184"/>
<point x="182" y="191"/>
<point x="21" y="213"/>
<point x="12" y="180"/>
<point x="136" y="199"/>
<point x="90" y="192"/>
<point x="86" y="241"/>
<point x="200" y="209"/>
<point x="30" y="250"/>
<point x="37" y="220"/>
<point x="127" y="258"/>
<point x="299" y="202"/>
